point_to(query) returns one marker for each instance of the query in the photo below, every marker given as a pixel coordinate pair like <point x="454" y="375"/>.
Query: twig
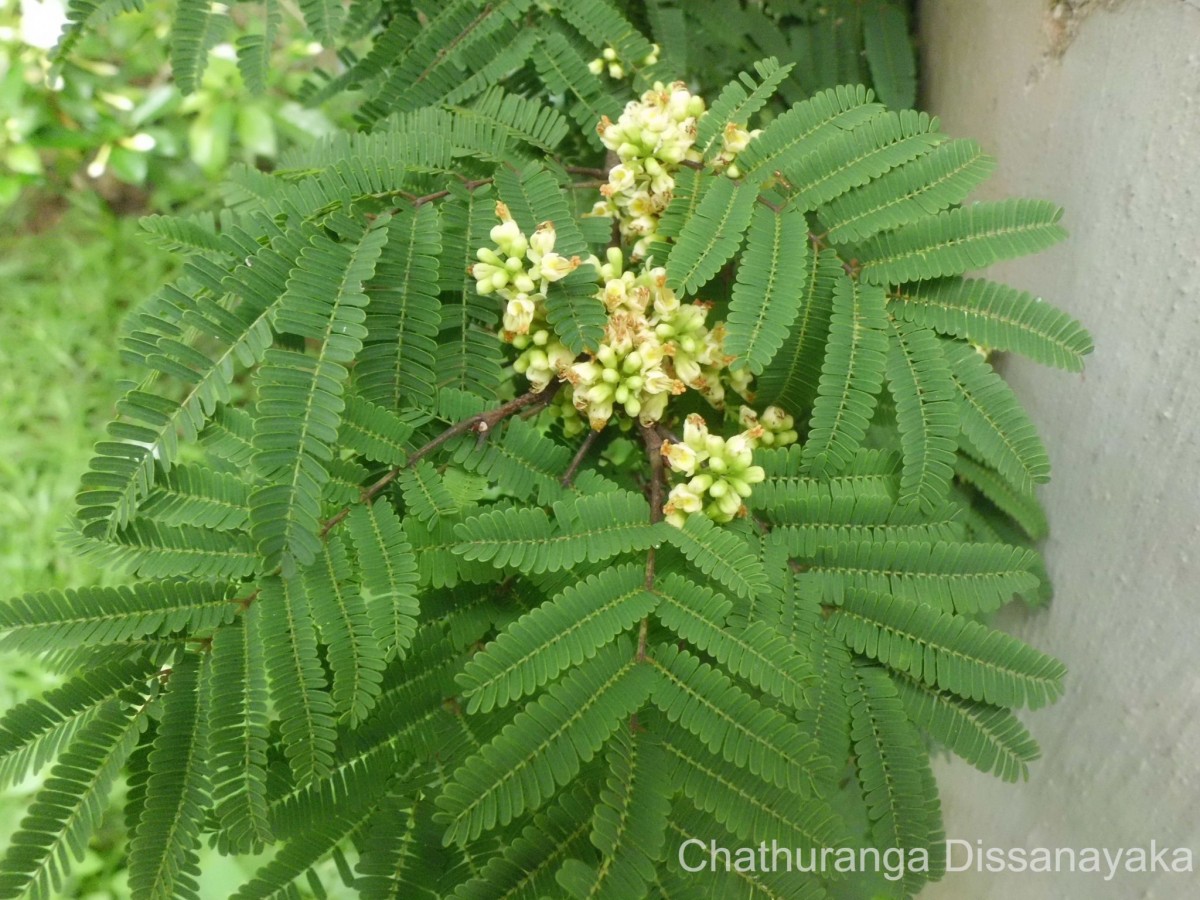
<point x="769" y="205"/>
<point x="480" y="424"/>
<point x="653" y="441"/>
<point x="438" y="195"/>
<point x="584" y="170"/>
<point x="244" y="602"/>
<point x="569" y="476"/>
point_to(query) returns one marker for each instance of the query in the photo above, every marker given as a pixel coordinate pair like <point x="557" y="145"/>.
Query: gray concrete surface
<point x="1096" y="105"/>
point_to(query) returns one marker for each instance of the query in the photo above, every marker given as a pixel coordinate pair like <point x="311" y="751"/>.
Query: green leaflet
<point x="38" y="622"/>
<point x="830" y="718"/>
<point x="425" y="493"/>
<point x="322" y="17"/>
<point x="1022" y="508"/>
<point x="853" y="158"/>
<point x="31" y="733"/>
<point x="756" y="652"/>
<point x="894" y="771"/>
<point x="253" y="50"/>
<point x="146" y="437"/>
<point x="601" y="24"/>
<point x="340" y="612"/>
<point x="545" y="744"/>
<point x="998" y="317"/>
<point x="744" y="803"/>
<point x="949" y="652"/>
<point x="163" y="858"/>
<point x="562" y="632"/>
<point x="712" y="235"/>
<point x="804" y="127"/>
<point x="851" y="377"/>
<point x="299" y="690"/>
<point x="629" y="823"/>
<point x="66" y="810"/>
<point x="922" y="187"/>
<point x="396" y="365"/>
<point x="299" y="396"/>
<point x="532" y="858"/>
<point x="719" y="553"/>
<point x="388" y="574"/>
<point x="890" y="54"/>
<point x="955" y="577"/>
<point x="733" y="724"/>
<point x="374" y="432"/>
<point x="988" y="737"/>
<point x="533" y="123"/>
<point x="592" y="528"/>
<point x="565" y="72"/>
<point x="197" y="495"/>
<point x="969" y="237"/>
<point x="769" y="288"/>
<point x="468" y="357"/>
<point x="998" y="429"/>
<point x="926" y="416"/>
<point x="197" y="27"/>
<point x="792" y="376"/>
<point x="239" y="733"/>
<point x="740" y="99"/>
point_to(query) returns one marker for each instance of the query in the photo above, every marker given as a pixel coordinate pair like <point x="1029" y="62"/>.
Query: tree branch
<point x="582" y="452"/>
<point x="481" y="424"/>
<point x="438" y="195"/>
<point x="584" y="170"/>
<point x="653" y="441"/>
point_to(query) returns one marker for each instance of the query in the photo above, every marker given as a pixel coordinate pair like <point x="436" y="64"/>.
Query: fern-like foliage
<point x="395" y="607"/>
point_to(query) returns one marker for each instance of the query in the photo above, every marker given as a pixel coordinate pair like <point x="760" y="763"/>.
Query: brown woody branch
<point x="584" y="170"/>
<point x="480" y="424"/>
<point x="654" y="442"/>
<point x="577" y="460"/>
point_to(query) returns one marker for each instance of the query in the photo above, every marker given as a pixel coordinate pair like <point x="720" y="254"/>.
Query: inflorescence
<point x="654" y="346"/>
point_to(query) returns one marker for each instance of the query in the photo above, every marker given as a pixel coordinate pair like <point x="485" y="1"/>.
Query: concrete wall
<point x="1097" y="106"/>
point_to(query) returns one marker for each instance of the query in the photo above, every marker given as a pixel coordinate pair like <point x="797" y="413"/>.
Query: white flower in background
<point x="140" y="142"/>
<point x="42" y="22"/>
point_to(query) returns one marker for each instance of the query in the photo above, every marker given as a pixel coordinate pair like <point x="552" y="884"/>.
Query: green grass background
<point x="63" y="294"/>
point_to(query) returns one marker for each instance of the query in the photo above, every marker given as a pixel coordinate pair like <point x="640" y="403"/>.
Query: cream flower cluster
<point x="778" y="429"/>
<point x="651" y="138"/>
<point x="520" y="269"/>
<point x="720" y="472"/>
<point x="654" y="347"/>
<point x="609" y="62"/>
<point x="734" y="139"/>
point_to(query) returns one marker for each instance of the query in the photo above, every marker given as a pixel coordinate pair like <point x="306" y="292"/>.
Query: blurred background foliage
<point x="108" y="119"/>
